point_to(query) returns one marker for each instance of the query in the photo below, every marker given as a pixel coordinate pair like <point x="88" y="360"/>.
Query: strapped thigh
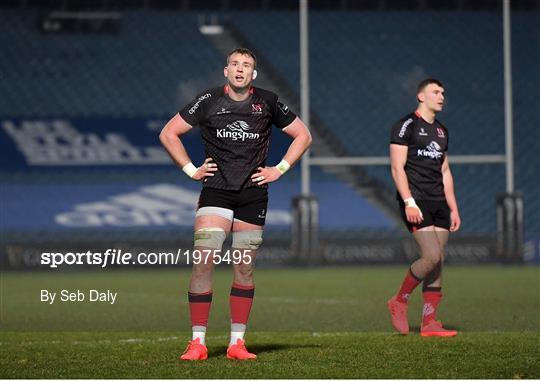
<point x="249" y="239"/>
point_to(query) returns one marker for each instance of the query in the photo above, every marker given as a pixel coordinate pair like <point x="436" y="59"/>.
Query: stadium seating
<point x="149" y="70"/>
<point x="364" y="67"/>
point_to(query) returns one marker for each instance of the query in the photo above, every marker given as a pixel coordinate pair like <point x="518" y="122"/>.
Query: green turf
<point x="306" y="323"/>
<point x="281" y="355"/>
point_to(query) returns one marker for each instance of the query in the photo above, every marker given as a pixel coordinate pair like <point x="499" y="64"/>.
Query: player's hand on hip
<point x="414" y="215"/>
<point x="265" y="175"/>
<point x="455" y="221"/>
<point x="206" y="170"/>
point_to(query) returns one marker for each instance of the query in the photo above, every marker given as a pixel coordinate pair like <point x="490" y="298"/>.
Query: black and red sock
<point x="240" y="302"/>
<point x="432" y="297"/>
<point x="407" y="287"/>
<point x="199" y="310"/>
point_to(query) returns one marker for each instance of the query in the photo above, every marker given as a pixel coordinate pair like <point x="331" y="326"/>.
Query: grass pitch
<point x="306" y="323"/>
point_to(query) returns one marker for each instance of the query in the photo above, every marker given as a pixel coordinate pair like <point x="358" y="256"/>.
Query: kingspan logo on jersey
<point x="433" y="151"/>
<point x="237" y="130"/>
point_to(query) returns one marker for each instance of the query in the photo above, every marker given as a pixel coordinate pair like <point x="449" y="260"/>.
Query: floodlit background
<point x="87" y="85"/>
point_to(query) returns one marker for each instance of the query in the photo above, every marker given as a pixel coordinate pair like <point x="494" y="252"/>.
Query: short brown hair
<point x="245" y="52"/>
<point x="428" y="81"/>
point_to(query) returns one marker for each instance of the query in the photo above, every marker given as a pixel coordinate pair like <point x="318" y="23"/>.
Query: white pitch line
<point x="168" y="338"/>
<point x="132" y="340"/>
<point x="35" y="342"/>
<point x="105" y="341"/>
<point x="318" y="334"/>
<point x="141" y="340"/>
<point x="311" y="301"/>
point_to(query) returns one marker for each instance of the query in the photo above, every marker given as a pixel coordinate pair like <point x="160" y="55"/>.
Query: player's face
<point x="433" y="97"/>
<point x="239" y="70"/>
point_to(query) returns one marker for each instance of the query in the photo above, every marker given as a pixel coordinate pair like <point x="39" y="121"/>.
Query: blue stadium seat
<point x="364" y="68"/>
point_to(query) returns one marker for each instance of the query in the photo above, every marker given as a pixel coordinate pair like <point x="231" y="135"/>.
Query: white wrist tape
<point x="410" y="203"/>
<point x="189" y="169"/>
<point x="283" y="166"/>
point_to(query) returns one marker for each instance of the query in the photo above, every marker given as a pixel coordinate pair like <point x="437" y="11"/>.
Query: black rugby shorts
<point x="248" y="205"/>
<point x="436" y="213"/>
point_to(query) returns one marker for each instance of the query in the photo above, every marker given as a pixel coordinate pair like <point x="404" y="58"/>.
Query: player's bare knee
<point x="243" y="273"/>
<point x="202" y="270"/>
<point x="433" y="260"/>
<point x="210" y="237"/>
<point x="244" y="269"/>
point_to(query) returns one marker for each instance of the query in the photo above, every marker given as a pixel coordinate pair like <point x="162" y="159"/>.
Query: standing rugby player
<point x="235" y="122"/>
<point x="425" y="187"/>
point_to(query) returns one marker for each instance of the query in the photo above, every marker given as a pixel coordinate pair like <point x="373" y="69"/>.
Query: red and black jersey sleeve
<point x="283" y="116"/>
<point x="402" y="131"/>
<point x="195" y="111"/>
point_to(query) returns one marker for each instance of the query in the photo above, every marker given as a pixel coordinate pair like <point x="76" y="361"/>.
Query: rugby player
<point x="425" y="192"/>
<point x="235" y="122"/>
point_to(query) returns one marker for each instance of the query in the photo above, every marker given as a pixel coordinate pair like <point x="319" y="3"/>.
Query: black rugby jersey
<point x="427" y="146"/>
<point x="236" y="134"/>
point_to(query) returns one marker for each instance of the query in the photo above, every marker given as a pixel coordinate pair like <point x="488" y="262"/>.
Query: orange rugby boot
<point x="435" y="328"/>
<point x="398" y="312"/>
<point x="238" y="351"/>
<point x="195" y="351"/>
